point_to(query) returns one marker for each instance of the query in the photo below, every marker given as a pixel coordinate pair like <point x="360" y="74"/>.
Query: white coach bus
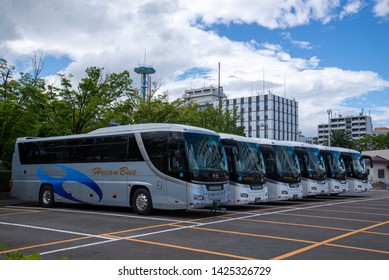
<point x="357" y="175"/>
<point x="283" y="177"/>
<point x="246" y="169"/>
<point x="145" y="166"/>
<point x="312" y="168"/>
<point x="335" y="168"/>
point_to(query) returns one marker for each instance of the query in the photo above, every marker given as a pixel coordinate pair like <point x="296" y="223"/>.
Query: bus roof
<point x="238" y="138"/>
<point x="265" y="141"/>
<point x="304" y="145"/>
<point x="339" y="149"/>
<point x="122" y="129"/>
<point x="150" y="127"/>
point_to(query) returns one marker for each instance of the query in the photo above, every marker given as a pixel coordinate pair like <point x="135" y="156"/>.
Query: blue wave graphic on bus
<point x="72" y="175"/>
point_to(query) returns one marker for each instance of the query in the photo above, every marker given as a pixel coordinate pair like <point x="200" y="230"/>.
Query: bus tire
<point x="141" y="202"/>
<point x="46" y="197"/>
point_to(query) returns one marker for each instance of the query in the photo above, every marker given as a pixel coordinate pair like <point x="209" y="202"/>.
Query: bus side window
<point x="134" y="153"/>
<point x="28" y="153"/>
<point x="80" y="150"/>
<point x="156" y="147"/>
<point x="111" y="148"/>
<point x="51" y="151"/>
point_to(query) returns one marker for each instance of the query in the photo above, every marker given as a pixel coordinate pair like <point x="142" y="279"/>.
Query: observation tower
<point x="145" y="71"/>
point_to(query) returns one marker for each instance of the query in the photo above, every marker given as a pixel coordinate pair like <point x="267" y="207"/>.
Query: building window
<point x="381" y="173"/>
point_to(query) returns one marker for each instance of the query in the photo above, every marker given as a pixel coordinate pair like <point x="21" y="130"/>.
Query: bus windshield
<point x="248" y="158"/>
<point x="286" y="160"/>
<point x="249" y="164"/>
<point x="205" y="153"/>
<point x="355" y="165"/>
<point x="287" y="163"/>
<point x="335" y="165"/>
<point x="315" y="164"/>
<point x="358" y="163"/>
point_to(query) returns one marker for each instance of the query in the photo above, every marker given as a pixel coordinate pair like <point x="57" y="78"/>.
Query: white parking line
<point x="108" y="214"/>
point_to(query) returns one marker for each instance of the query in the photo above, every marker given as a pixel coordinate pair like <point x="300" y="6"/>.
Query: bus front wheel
<point x="46" y="197"/>
<point x="141" y="201"/>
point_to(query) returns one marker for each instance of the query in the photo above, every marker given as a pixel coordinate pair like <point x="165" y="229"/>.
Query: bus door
<point x="176" y="168"/>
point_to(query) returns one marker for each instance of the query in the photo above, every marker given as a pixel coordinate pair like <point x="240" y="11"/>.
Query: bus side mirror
<point x="369" y="158"/>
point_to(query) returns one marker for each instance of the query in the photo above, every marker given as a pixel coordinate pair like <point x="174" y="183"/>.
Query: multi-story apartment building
<point x="355" y="126"/>
<point x="263" y="116"/>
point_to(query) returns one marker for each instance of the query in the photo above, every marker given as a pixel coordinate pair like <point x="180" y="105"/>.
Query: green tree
<point x="156" y="108"/>
<point x="220" y="120"/>
<point x="370" y="142"/>
<point x="339" y="138"/>
<point x="96" y="99"/>
<point x="21" y="102"/>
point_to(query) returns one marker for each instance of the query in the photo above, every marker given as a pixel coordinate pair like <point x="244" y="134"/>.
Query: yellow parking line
<point x="15" y="214"/>
<point x="328" y="217"/>
<point x="295" y="224"/>
<point x="325" y="242"/>
<point x="185" y="248"/>
<point x="350" y="212"/>
<point x="19" y="211"/>
<point x="45" y="244"/>
<point x="164" y="225"/>
<point x="377" y="233"/>
<point x="358" y="248"/>
<point x="363" y="207"/>
<point x="254" y="235"/>
<point x="109" y="234"/>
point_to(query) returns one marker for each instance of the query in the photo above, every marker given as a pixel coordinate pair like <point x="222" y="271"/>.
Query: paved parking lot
<point x="345" y="227"/>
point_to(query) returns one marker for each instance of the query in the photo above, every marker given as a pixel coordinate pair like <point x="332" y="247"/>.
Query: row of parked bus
<point x="293" y="169"/>
<point x="170" y="166"/>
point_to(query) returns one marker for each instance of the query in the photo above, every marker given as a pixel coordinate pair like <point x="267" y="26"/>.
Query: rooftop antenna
<point x="219" y="89"/>
<point x="263" y="79"/>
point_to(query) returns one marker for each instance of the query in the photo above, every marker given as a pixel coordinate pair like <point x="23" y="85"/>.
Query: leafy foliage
<point x="19" y="256"/>
<point x="74" y="111"/>
<point x="369" y="142"/>
<point x="20" y="103"/>
<point x="339" y="138"/>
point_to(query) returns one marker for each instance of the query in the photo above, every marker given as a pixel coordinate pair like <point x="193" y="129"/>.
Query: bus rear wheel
<point x="46" y="197"/>
<point x="141" y="201"/>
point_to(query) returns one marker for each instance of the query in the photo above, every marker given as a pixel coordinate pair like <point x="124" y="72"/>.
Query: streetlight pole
<point x="329" y="112"/>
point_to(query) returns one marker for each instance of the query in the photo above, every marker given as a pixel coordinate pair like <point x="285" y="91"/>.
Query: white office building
<point x="355" y="126"/>
<point x="263" y="116"/>
<point x="267" y="116"/>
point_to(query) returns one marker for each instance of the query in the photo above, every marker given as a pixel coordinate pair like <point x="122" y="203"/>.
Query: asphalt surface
<point x="351" y="226"/>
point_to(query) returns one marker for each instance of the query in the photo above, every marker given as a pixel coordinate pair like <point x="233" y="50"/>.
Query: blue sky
<point x="326" y="54"/>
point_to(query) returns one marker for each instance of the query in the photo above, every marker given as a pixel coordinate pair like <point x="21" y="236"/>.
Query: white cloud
<point x="271" y="14"/>
<point x="352" y="7"/>
<point x="300" y="44"/>
<point x="381" y="8"/>
<point x="115" y="35"/>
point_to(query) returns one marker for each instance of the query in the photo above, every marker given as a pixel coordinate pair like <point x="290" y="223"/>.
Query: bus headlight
<point x="244" y="195"/>
<point x="284" y="192"/>
<point x="314" y="188"/>
<point x="198" y="197"/>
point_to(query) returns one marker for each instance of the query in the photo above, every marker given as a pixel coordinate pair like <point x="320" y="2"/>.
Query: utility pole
<point x="329" y="112"/>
